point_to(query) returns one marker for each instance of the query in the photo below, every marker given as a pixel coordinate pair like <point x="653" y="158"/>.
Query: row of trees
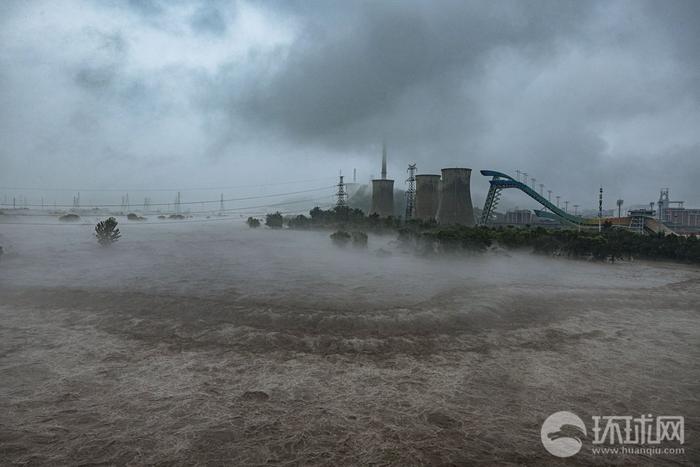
<point x="336" y="218"/>
<point x="611" y="244"/>
<point x="342" y="238"/>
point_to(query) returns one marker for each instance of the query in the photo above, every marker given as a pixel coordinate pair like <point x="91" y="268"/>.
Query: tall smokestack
<point x="382" y="192"/>
<point x="384" y="160"/>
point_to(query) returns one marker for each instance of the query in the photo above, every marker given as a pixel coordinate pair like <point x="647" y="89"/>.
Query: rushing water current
<point x="210" y="343"/>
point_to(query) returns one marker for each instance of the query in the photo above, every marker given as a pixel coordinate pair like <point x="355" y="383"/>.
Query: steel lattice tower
<point x="341" y="194"/>
<point x="411" y="192"/>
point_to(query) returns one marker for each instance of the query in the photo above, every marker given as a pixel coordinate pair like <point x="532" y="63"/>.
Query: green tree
<point x="107" y="232"/>
<point x="299" y="222"/>
<point x="274" y="221"/>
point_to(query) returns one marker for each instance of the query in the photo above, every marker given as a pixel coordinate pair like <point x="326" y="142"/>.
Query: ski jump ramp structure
<point x="642" y="223"/>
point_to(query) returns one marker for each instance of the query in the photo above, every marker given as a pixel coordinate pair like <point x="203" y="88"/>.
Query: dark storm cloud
<point x="575" y="93"/>
<point x="361" y="61"/>
<point x="100" y="68"/>
<point x="679" y="19"/>
<point x="416" y="74"/>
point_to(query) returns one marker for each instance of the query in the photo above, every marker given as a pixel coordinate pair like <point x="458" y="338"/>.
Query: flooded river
<point x="210" y="343"/>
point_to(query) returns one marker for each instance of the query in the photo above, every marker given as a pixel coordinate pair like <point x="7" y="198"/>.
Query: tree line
<point x="611" y="244"/>
<point x="336" y="218"/>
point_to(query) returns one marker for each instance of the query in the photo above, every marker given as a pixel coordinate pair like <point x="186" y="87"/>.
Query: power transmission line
<point x="139" y="224"/>
<point x="188" y="202"/>
<point x="240" y="209"/>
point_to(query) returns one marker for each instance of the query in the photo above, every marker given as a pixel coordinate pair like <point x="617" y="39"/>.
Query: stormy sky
<point x="181" y="94"/>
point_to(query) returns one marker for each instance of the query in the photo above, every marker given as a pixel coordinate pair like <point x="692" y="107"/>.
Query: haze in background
<point x="149" y="94"/>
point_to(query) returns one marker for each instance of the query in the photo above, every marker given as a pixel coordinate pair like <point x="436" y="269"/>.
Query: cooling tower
<point x="455" y="197"/>
<point x="382" y="198"/>
<point x="427" y="196"/>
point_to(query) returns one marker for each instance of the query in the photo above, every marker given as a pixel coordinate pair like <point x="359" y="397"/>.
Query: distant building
<point x="682" y="217"/>
<point x="678" y="218"/>
<point x="519" y="217"/>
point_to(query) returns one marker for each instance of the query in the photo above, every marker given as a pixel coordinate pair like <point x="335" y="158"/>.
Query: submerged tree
<point x="341" y="238"/>
<point x="274" y="221"/>
<point x="253" y="223"/>
<point x="70" y="217"/>
<point x="107" y="232"/>
<point x="359" y="239"/>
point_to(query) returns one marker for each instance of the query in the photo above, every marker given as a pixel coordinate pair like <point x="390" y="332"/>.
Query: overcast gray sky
<point x="164" y="94"/>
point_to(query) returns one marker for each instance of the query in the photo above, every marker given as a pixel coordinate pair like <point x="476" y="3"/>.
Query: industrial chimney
<point x="455" y="197"/>
<point x="383" y="192"/>
<point x="427" y="196"/>
<point x="383" y="161"/>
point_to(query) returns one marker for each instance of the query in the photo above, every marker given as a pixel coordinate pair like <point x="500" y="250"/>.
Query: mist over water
<point x="215" y="343"/>
<point x="227" y="258"/>
<point x="195" y="340"/>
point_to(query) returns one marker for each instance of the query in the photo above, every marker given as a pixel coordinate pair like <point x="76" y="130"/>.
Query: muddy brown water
<point x="211" y="344"/>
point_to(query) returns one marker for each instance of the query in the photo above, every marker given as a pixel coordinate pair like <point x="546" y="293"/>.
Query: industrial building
<point x="455" y="205"/>
<point x="427" y="196"/>
<point x="520" y="217"/>
<point x="383" y="192"/>
<point x="445" y="198"/>
<point x="678" y="218"/>
<point x="682" y="217"/>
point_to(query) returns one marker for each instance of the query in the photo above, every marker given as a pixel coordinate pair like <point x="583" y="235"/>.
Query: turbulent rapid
<point x="213" y="343"/>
